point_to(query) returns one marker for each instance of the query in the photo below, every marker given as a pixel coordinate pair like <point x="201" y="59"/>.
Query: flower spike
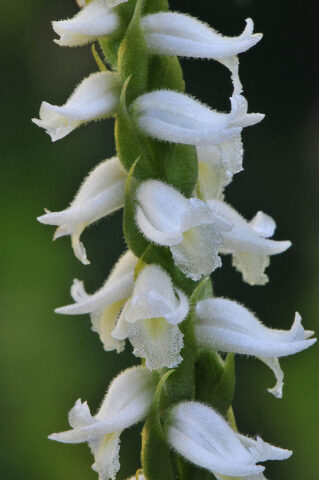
<point x="176" y="117"/>
<point x="101" y="193"/>
<point x="227" y="326"/>
<point x="96" y="97"/>
<point x="105" y="305"/>
<point x="126" y="403"/>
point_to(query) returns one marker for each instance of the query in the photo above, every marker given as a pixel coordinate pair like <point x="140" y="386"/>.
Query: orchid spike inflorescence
<point x="175" y="157"/>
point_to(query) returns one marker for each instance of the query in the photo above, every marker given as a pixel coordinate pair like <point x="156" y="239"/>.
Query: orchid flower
<point x="171" y="33"/>
<point x="187" y="226"/>
<point x="95" y="20"/>
<point x="101" y="193"/>
<point x="227" y="326"/>
<point x="96" y="97"/>
<point x="150" y="319"/>
<point x="127" y="402"/>
<point x="203" y="437"/>
<point x="248" y="242"/>
<point x="106" y="304"/>
<point x="177" y="117"/>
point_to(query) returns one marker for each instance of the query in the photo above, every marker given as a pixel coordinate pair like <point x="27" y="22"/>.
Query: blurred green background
<point x="48" y="361"/>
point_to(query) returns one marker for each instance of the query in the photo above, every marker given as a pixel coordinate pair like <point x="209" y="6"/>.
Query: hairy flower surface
<point x="216" y="166"/>
<point x="101" y="193"/>
<point x="227" y="326"/>
<point x="186" y="225"/>
<point x="177" y="117"/>
<point x="203" y="437"/>
<point x="106" y="304"/>
<point x="248" y="242"/>
<point x="126" y="403"/>
<point x="96" y="97"/>
<point x="95" y="20"/>
<point x="150" y="319"/>
<point x="172" y="33"/>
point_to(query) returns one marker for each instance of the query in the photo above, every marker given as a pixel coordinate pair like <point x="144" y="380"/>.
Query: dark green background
<point x="48" y="361"/>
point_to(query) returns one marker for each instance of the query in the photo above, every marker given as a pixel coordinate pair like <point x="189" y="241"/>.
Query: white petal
<point x="103" y="323"/>
<point x="187" y="226"/>
<point x="203" y="437"/>
<point x="151" y="317"/>
<point x="263" y="451"/>
<point x="263" y="224"/>
<point x="247" y="242"/>
<point x="157" y="341"/>
<point x="117" y="287"/>
<point x="229" y="327"/>
<point x="176" y="117"/>
<point x="126" y="403"/>
<point x="101" y="193"/>
<point x="197" y="254"/>
<point x="93" y="21"/>
<point x="171" y="33"/>
<point x="226" y="326"/>
<point x="106" y="450"/>
<point x="252" y="267"/>
<point x="154" y="296"/>
<point x="96" y="97"/>
<point x="216" y="166"/>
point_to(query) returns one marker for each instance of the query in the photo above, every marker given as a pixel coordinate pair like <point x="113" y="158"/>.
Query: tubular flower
<point x="95" y="20"/>
<point x="226" y="326"/>
<point x="101" y="193"/>
<point x="96" y="97"/>
<point x="187" y="226"/>
<point x="176" y="117"/>
<point x="126" y="403"/>
<point x="171" y="33"/>
<point x="248" y="242"/>
<point x="150" y="318"/>
<point x="203" y="437"/>
<point x="216" y="166"/>
<point x="106" y="304"/>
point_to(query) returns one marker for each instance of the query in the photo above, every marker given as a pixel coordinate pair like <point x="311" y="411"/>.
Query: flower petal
<point x="226" y="326"/>
<point x="203" y="437"/>
<point x="176" y="117"/>
<point x="101" y="193"/>
<point x="93" y="21"/>
<point x="96" y="97"/>
<point x="117" y="287"/>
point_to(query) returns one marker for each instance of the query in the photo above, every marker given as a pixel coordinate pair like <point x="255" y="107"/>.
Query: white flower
<point x="248" y="242"/>
<point x="186" y="226"/>
<point x="171" y="33"/>
<point x="126" y="403"/>
<point x="95" y="20"/>
<point x="216" y="166"/>
<point x="150" y="318"/>
<point x="177" y="117"/>
<point x="96" y="97"/>
<point x="101" y="193"/>
<point x="226" y="326"/>
<point x="105" y="304"/>
<point x="204" y="438"/>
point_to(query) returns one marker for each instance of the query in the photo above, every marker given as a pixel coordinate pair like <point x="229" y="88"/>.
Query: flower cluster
<point x="175" y="156"/>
